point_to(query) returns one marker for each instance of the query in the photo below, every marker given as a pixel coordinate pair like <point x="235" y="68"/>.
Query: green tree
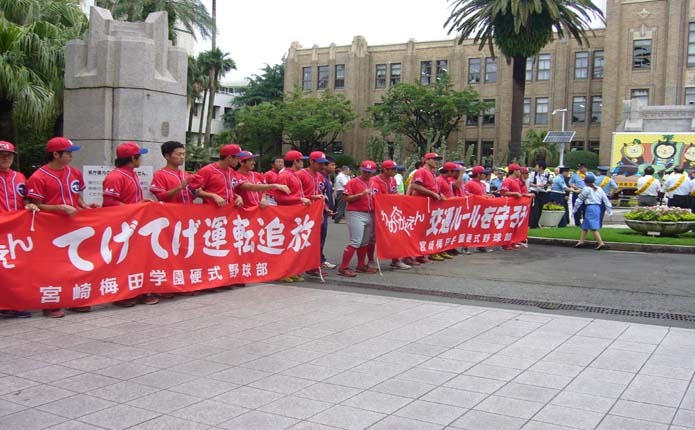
<point x="259" y="127"/>
<point x="420" y="111"/>
<point x="315" y="122"/>
<point x="197" y="83"/>
<point x="535" y="149"/>
<point x="217" y="64"/>
<point x="191" y="14"/>
<point x="33" y="34"/>
<point x="520" y="28"/>
<point x="268" y="87"/>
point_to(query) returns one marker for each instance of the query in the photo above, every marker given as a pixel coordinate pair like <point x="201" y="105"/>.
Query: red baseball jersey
<point x="363" y="204"/>
<point x="475" y="187"/>
<point x="13" y="190"/>
<point x="312" y="183"/>
<point x="457" y="190"/>
<point x="56" y="187"/>
<point x="251" y="198"/>
<point x="383" y="185"/>
<point x="425" y="178"/>
<point x="511" y="185"/>
<point x="217" y="180"/>
<point x="271" y="177"/>
<point x="522" y="186"/>
<point x="123" y="184"/>
<point x="166" y="179"/>
<point x="444" y="186"/>
<point x="289" y="177"/>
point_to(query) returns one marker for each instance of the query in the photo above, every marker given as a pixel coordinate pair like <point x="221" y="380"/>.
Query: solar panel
<point x="559" y="137"/>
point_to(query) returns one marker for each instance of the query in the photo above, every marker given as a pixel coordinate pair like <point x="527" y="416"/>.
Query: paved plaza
<point x="279" y="356"/>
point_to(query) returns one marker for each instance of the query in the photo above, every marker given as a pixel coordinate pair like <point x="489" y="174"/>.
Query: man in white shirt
<point x="400" y="183"/>
<point x="648" y="188"/>
<point x="678" y="184"/>
<point x="341" y="179"/>
<point x="538" y="183"/>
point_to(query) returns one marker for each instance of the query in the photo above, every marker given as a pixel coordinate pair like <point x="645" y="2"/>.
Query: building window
<point x="488" y="149"/>
<point x="579" y="109"/>
<point x="442" y="67"/>
<point x="228" y="111"/>
<point x="527" y="112"/>
<point x="581" y="65"/>
<point x="472" y="120"/>
<point x="337" y="147"/>
<point x="489" y="114"/>
<point x="425" y="72"/>
<point x="529" y="69"/>
<point x="471" y="152"/>
<point x="491" y="69"/>
<point x="196" y="108"/>
<point x="690" y="95"/>
<point x="543" y="67"/>
<point x="215" y="112"/>
<point x="322" y="82"/>
<point x="474" y="70"/>
<point x="576" y="146"/>
<point x="594" y="146"/>
<point x="306" y="78"/>
<point x="596" y="108"/>
<point x="541" y="110"/>
<point x="339" y="76"/>
<point x="380" y="76"/>
<point x="641" y="54"/>
<point x="598" y="65"/>
<point x="395" y="73"/>
<point x="691" y="44"/>
<point x="641" y="94"/>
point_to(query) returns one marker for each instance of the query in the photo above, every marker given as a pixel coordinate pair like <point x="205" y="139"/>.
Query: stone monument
<point x="124" y="82"/>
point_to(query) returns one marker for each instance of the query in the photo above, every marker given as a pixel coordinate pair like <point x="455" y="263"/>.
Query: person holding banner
<point x="313" y="187"/>
<point x="13" y="190"/>
<point x="271" y="177"/>
<point x="170" y="183"/>
<point x="56" y="187"/>
<point x="246" y="175"/>
<point x="215" y="182"/>
<point x="475" y="186"/>
<point x="648" y="188"/>
<point x="359" y="196"/>
<point x="424" y="184"/>
<point x="512" y="187"/>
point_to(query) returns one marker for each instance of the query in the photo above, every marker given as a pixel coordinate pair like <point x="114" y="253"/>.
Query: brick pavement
<point x="275" y="357"/>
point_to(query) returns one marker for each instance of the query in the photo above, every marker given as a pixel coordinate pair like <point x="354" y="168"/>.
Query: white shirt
<point x="538" y="182"/>
<point x="340" y="180"/>
<point x="399" y="180"/>
<point x="683" y="190"/>
<point x="653" y="189"/>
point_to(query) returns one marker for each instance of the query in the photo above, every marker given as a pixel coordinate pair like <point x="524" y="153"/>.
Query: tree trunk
<point x="518" y="90"/>
<point x="7" y="129"/>
<point x="213" y="76"/>
<point x="200" y="124"/>
<point x="190" y="115"/>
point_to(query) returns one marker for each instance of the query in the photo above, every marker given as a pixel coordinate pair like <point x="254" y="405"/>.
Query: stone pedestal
<point x="124" y="82"/>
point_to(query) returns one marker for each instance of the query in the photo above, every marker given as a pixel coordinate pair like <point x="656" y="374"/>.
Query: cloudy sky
<point x="256" y="33"/>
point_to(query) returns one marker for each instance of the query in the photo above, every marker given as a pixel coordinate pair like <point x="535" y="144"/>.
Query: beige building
<point x="646" y="51"/>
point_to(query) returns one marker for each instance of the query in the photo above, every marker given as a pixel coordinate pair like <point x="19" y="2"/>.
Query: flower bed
<point x="660" y="219"/>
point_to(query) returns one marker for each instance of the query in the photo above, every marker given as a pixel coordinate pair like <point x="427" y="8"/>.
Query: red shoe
<point x="53" y="313"/>
<point x="149" y="299"/>
<point x="346" y="272"/>
<point x="366" y="269"/>
<point x="81" y="309"/>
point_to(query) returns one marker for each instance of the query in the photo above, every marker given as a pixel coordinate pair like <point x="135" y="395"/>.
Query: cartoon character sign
<point x="632" y="156"/>
<point x="689" y="157"/>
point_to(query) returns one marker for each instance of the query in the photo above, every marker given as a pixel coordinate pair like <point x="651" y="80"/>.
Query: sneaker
<point x="366" y="269"/>
<point x="149" y="299"/>
<point x="298" y="278"/>
<point x="81" y="309"/>
<point x="288" y="279"/>
<point x="445" y="256"/>
<point x="16" y="314"/>
<point x="127" y="303"/>
<point x="516" y="246"/>
<point x="328" y="265"/>
<point x="523" y="244"/>
<point x="467" y="251"/>
<point x="400" y="265"/>
<point x="53" y="313"/>
<point x="347" y="272"/>
<point x="436" y="257"/>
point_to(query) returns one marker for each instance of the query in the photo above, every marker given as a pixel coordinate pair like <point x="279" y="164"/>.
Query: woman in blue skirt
<point x="592" y="197"/>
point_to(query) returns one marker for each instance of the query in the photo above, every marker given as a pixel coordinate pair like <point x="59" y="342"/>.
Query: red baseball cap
<point x="7" y="147"/>
<point x="368" y="166"/>
<point x="61" y="144"/>
<point x="294" y="156"/>
<point x="432" y="156"/>
<point x="129" y="149"/>
<point x="477" y="170"/>
<point x="318" y="157"/>
<point x="388" y="164"/>
<point x="450" y="165"/>
<point x="524" y="170"/>
<point x="246" y="155"/>
<point x="513" y="167"/>
<point x="230" y="149"/>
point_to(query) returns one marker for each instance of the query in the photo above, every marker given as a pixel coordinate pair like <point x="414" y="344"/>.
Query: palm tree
<point x="535" y="149"/>
<point x="33" y="34"/>
<point x="191" y="14"/>
<point x="196" y="84"/>
<point x="520" y="29"/>
<point x="217" y="63"/>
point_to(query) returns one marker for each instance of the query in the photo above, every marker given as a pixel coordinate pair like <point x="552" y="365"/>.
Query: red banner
<point x="109" y="254"/>
<point x="411" y="226"/>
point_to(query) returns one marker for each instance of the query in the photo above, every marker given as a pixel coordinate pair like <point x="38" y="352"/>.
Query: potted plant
<point x="663" y="220"/>
<point x="552" y="215"/>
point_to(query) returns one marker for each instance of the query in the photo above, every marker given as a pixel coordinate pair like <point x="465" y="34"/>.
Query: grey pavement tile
<point x="249" y="397"/>
<point x="85" y="382"/>
<point x="377" y="402"/>
<point x="625" y="361"/>
<point x="587" y="402"/>
<point x="352" y="379"/>
<point x="493" y="372"/>
<point x="452" y="396"/>
<point x="166" y="422"/>
<point x="37" y="395"/>
<point x="537" y="425"/>
<point x="479" y="420"/>
<point x="644" y="334"/>
<point x="7" y="408"/>
<point x="90" y="363"/>
<point x="479" y="346"/>
<point x="632" y="346"/>
<point x="74" y="425"/>
<point x="503" y="360"/>
<point x="270" y="364"/>
<point x="327" y="392"/>
<point x="311" y="372"/>
<point x="231" y="358"/>
<point x="123" y="391"/>
<point x="643" y="411"/>
<point x="126" y="370"/>
<point x="298" y="355"/>
<point x="510" y="407"/>
<point x="204" y="388"/>
<point x="447" y="365"/>
<point x="338" y="361"/>
<point x="30" y="419"/>
<point x="381" y="368"/>
<point x="475" y="383"/>
<point x="209" y="412"/>
<point x="604" y="329"/>
<point x="163" y="379"/>
<point x="596" y="387"/>
<point x="59" y="356"/>
<point x="685" y="418"/>
<point x="127" y="353"/>
<point x="527" y="392"/>
<point x="570" y="358"/>
<point x="569" y="417"/>
<point x="400" y="423"/>
<point x="673" y="360"/>
<point x="428" y="376"/>
<point x="583" y="345"/>
<point x="612" y="422"/>
<point x="348" y="418"/>
<point x="423" y="349"/>
<point x="612" y="376"/>
<point x="282" y="384"/>
<point x="556" y="368"/>
<point x="164" y="401"/>
<point x="49" y="373"/>
<point x="565" y="325"/>
<point x="119" y="417"/>
<point x="436" y="413"/>
<point x="16" y="366"/>
<point x="656" y="390"/>
<point x="307" y="425"/>
<point x="163" y="360"/>
<point x="464" y="355"/>
<point x="10" y="384"/>
<point x="239" y="375"/>
<point x="295" y="407"/>
<point x="256" y="420"/>
<point x="666" y="372"/>
<point x="75" y="406"/>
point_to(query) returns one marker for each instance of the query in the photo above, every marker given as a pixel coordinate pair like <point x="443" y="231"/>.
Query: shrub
<point x="572" y="159"/>
<point x="550" y="206"/>
<point x="343" y="160"/>
<point x="660" y="213"/>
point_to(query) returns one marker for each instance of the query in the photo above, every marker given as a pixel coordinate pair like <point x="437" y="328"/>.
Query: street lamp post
<point x="562" y="148"/>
